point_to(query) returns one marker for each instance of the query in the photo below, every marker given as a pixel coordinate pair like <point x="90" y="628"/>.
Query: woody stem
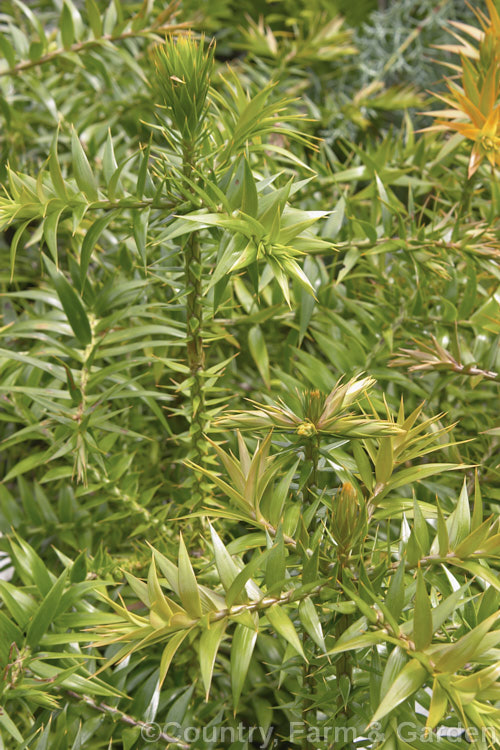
<point x="312" y="457"/>
<point x="464" y="205"/>
<point x="193" y="274"/>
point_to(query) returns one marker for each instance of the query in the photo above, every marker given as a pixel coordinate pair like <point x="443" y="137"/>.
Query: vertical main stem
<point x="194" y="319"/>
<point x="464" y="205"/>
<point x="193" y="276"/>
<point x="311" y="452"/>
<point x="343" y="665"/>
<point x="307" y="700"/>
<point x="80" y="464"/>
<point x="312" y="456"/>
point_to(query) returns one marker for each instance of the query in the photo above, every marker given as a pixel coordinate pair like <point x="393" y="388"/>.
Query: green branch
<point x="151" y="33"/>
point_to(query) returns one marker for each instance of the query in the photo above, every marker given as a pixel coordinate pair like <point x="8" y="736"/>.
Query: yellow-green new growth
<point x="183" y="67"/>
<point x="317" y="413"/>
<point x="349" y="522"/>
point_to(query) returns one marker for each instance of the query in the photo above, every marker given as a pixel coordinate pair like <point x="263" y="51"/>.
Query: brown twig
<point x="91" y="43"/>
<point x="126" y="719"/>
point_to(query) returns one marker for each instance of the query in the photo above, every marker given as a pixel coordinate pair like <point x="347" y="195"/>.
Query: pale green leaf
<point x="188" y="587"/>
<point x="242" y="647"/>
<point x="285" y="627"/>
<point x="408" y="681"/>
<point x="208" y="647"/>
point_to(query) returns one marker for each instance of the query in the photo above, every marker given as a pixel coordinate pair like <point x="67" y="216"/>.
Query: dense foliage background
<point x="249" y="368"/>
